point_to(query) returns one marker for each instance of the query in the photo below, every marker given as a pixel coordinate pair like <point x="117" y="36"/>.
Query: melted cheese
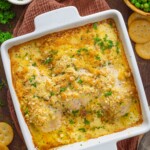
<point x="75" y="85"/>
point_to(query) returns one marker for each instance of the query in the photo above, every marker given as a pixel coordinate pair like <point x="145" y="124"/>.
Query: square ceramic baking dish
<point x="67" y="18"/>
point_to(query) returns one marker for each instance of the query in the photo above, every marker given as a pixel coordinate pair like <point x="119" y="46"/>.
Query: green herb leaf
<point x="32" y="78"/>
<point x="48" y="60"/>
<point x="82" y="50"/>
<point x="100" y="127"/>
<point x="82" y="129"/>
<point x="86" y="122"/>
<point x="5" y="5"/>
<point x="6" y="16"/>
<point x="95" y="25"/>
<point x="35" y="96"/>
<point x="126" y="115"/>
<point x="109" y="93"/>
<point x="117" y="47"/>
<point x="97" y="57"/>
<point x="97" y="40"/>
<point x="63" y="89"/>
<point x="32" y="81"/>
<point x="26" y="111"/>
<point x="80" y="81"/>
<point x="5" y="36"/>
<point x="34" y="64"/>
<point x="99" y="114"/>
<point x="75" y="112"/>
<point x="34" y="84"/>
<point x="52" y="94"/>
<point x="104" y="43"/>
<point x="71" y="121"/>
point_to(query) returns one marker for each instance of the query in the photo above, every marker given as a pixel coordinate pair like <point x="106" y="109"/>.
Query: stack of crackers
<point x="6" y="135"/>
<point x="139" y="31"/>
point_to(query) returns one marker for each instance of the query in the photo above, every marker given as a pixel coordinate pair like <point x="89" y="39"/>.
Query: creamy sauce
<point x="75" y="85"/>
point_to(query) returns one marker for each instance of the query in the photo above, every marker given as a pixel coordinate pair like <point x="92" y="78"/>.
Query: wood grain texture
<point x="144" y="66"/>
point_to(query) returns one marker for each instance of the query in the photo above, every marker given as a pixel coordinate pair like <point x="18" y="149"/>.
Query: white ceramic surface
<point x="66" y="18"/>
<point x="19" y="2"/>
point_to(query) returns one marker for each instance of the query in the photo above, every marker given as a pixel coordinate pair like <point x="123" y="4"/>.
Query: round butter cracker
<point x="135" y="16"/>
<point x="139" y="31"/>
<point x="3" y="147"/>
<point x="6" y="133"/>
<point x="143" y="50"/>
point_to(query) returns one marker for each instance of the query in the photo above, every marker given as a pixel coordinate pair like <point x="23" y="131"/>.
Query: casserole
<point x="73" y="20"/>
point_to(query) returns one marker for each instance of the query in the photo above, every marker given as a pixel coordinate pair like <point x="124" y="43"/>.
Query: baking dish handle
<point x="56" y="18"/>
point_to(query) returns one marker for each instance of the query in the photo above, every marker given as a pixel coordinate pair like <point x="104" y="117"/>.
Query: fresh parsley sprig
<point x="4" y="5"/>
<point x="6" y="14"/>
<point x="5" y="36"/>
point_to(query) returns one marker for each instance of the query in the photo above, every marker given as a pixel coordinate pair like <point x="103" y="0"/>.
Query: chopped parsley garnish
<point x="109" y="93"/>
<point x="82" y="129"/>
<point x="95" y="25"/>
<point x="100" y="127"/>
<point x="75" y="67"/>
<point x="97" y="57"/>
<point x="80" y="81"/>
<point x="63" y="89"/>
<point x="75" y="112"/>
<point x="126" y="115"/>
<point x="109" y="43"/>
<point x="82" y="50"/>
<point x="99" y="114"/>
<point x="71" y="121"/>
<point x="52" y="94"/>
<point x="86" y="122"/>
<point x="104" y="43"/>
<point x="26" y="54"/>
<point x="48" y="60"/>
<point x="32" y="78"/>
<point x="34" y="64"/>
<point x="106" y="63"/>
<point x="35" y="96"/>
<point x="111" y="24"/>
<point x="26" y="111"/>
<point x="34" y="84"/>
<point x="97" y="40"/>
<point x="117" y="47"/>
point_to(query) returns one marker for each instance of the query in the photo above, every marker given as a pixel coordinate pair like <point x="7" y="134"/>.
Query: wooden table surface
<point x="144" y="67"/>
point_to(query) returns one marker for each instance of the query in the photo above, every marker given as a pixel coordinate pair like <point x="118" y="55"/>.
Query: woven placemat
<point x="26" y="25"/>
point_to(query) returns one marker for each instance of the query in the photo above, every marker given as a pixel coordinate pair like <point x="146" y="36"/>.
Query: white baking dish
<point x="66" y="18"/>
